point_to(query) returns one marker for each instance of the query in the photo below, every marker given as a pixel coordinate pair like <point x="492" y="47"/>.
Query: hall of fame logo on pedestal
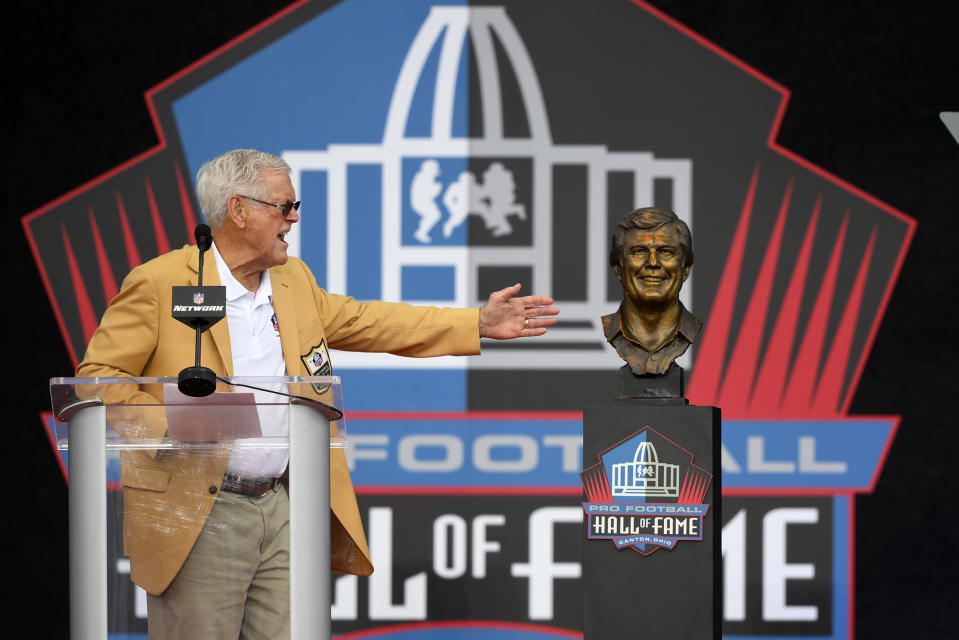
<point x="645" y="493"/>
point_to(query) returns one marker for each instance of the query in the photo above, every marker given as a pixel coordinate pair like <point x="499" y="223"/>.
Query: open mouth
<point x="652" y="279"/>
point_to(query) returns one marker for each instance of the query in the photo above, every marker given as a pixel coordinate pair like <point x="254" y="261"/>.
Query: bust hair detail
<point x="650" y="219"/>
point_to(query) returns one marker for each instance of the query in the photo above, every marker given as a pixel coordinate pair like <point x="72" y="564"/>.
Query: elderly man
<point x="207" y="533"/>
<point x="651" y="253"/>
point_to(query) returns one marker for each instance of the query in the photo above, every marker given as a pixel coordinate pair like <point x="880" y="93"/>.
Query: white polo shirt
<point x="255" y="343"/>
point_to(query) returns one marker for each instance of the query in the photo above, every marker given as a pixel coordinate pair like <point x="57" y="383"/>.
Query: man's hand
<point x="504" y="317"/>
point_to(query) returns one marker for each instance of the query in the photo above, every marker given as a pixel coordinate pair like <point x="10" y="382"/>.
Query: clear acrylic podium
<point x="104" y="422"/>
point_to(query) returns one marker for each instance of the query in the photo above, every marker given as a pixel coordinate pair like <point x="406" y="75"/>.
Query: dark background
<point x="868" y="81"/>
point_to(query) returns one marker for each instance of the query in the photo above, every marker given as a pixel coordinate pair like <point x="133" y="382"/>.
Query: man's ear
<point x="618" y="269"/>
<point x="685" y="272"/>
<point x="236" y="211"/>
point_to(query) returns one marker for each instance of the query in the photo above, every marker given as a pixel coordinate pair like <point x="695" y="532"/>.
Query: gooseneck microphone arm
<point x="199" y="307"/>
<point x="203" y="242"/>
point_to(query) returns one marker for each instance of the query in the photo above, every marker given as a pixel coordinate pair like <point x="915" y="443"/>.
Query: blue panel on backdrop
<point x="460" y="124"/>
<point x="469" y="451"/>
<point x="403" y="390"/>
<point x="364" y="211"/>
<point x="313" y="221"/>
<point x="428" y="283"/>
<point x="419" y="122"/>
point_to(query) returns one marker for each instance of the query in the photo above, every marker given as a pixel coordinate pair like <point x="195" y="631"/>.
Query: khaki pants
<point x="236" y="581"/>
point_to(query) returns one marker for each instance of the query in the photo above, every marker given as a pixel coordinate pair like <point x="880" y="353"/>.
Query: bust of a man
<point x="651" y="253"/>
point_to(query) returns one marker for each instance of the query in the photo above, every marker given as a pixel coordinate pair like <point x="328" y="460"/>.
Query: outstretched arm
<point x="504" y="317"/>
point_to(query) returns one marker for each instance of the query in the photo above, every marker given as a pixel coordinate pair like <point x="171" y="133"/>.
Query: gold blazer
<point x="168" y="495"/>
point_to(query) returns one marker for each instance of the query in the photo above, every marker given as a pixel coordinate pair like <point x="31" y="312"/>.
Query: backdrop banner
<point x="444" y="150"/>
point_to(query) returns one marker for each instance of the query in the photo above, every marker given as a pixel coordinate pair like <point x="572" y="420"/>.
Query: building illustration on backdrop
<point x="435" y="186"/>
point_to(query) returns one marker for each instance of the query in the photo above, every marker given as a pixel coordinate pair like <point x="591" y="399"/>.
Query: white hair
<point x="235" y="172"/>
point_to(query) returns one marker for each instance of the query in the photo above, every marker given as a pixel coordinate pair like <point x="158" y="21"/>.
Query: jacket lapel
<point x="220" y="332"/>
<point x="285" y="309"/>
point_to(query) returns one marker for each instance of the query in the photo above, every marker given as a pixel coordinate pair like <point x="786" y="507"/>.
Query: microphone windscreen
<point x="204" y="239"/>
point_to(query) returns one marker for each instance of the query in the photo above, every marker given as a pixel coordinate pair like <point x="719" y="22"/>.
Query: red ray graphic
<point x="163" y="243"/>
<point x="828" y="393"/>
<point x="88" y="319"/>
<point x="735" y="389"/>
<point x="805" y="371"/>
<point x="769" y="387"/>
<point x="711" y="354"/>
<point x="107" y="279"/>
<point x="694" y="488"/>
<point x="188" y="216"/>
<point x="596" y="484"/>
<point x="133" y="256"/>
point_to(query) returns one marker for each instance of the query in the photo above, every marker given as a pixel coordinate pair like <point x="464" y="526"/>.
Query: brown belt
<point x="253" y="487"/>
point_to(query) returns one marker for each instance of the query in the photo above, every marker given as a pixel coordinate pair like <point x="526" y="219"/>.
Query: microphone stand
<point x="199" y="381"/>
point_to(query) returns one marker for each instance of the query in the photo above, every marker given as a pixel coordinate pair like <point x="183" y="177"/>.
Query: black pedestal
<point x="670" y="385"/>
<point x="652" y="557"/>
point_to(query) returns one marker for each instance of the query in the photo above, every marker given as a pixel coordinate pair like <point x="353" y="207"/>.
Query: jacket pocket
<point x="144" y="478"/>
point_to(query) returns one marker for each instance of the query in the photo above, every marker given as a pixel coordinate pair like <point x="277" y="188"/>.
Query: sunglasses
<point x="285" y="209"/>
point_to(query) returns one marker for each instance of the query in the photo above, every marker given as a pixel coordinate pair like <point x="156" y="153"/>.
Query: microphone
<point x="204" y="240"/>
<point x="199" y="307"/>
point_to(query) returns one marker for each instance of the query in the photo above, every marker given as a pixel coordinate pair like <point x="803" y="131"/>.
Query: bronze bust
<point x="651" y="253"/>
